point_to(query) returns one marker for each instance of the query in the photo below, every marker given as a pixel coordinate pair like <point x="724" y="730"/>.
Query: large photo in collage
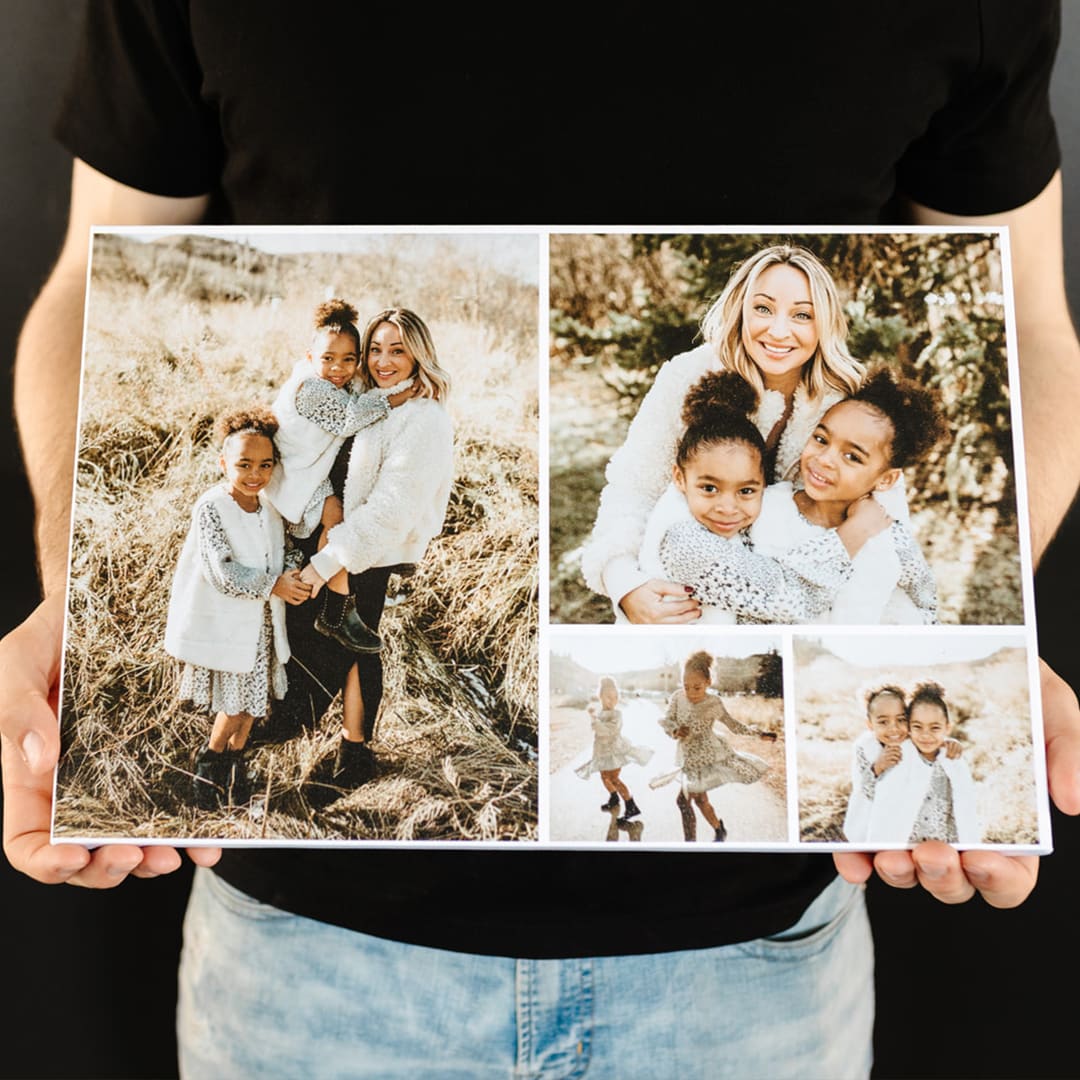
<point x="302" y="601"/>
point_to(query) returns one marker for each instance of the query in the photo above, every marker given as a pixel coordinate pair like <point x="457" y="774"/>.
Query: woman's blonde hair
<point x="416" y="337"/>
<point x="722" y="325"/>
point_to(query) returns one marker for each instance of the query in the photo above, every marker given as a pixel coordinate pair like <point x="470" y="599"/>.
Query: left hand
<point x="1003" y="880"/>
<point x="310" y="576"/>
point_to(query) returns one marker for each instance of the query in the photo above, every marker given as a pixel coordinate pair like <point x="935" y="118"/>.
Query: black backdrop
<point x="89" y="977"/>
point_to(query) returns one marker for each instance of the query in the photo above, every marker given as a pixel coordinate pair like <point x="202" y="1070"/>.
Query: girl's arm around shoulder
<point x="916" y="577"/>
<point x="337" y="410"/>
<point x="218" y="558"/>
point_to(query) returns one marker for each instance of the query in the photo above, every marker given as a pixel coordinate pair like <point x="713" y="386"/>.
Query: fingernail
<point x="32" y="747"/>
<point x="688" y="588"/>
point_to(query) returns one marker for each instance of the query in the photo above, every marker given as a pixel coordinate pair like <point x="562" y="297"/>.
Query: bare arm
<point x="46" y="399"/>
<point x="1049" y="356"/>
<point x="50" y="347"/>
<point x="1048" y="350"/>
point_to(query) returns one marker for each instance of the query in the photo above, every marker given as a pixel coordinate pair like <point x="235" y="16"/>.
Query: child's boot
<point x="689" y="822"/>
<point x="354" y="764"/>
<point x="631" y="809"/>
<point x="340" y="621"/>
<point x="209" y="780"/>
<point x="721" y="832"/>
<point x="612" y="803"/>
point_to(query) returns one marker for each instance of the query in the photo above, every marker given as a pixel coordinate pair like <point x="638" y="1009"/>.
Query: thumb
<point x="29" y="684"/>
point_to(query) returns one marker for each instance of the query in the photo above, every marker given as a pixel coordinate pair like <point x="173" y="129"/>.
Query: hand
<point x="888" y="757"/>
<point x="29" y="670"/>
<point x="659" y="601"/>
<point x="953" y="749"/>
<point x="394" y="400"/>
<point x="1003" y="880"/>
<point x="311" y="577"/>
<point x="865" y="517"/>
<point x="292" y="588"/>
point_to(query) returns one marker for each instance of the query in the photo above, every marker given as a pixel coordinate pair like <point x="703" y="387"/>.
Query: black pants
<point x="319" y="664"/>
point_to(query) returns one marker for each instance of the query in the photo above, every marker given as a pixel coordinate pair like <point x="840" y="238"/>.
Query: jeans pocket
<point x="236" y="901"/>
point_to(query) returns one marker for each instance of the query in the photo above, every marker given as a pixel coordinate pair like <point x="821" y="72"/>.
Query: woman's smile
<point x="388" y="360"/>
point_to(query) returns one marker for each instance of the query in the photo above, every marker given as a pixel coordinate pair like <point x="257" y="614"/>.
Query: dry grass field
<point x="988" y="700"/>
<point x="183" y="328"/>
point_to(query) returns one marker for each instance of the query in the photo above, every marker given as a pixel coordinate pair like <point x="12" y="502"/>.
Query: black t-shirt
<point x="778" y="114"/>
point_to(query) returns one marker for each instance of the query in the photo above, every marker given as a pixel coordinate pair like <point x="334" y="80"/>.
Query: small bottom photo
<point x="902" y="739"/>
<point x="666" y="739"/>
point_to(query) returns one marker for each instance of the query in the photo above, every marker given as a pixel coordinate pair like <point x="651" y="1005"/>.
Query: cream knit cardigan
<point x="396" y="490"/>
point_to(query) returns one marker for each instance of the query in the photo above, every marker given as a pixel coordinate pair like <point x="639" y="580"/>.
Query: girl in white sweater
<point x="317" y="408"/>
<point x="226" y="617"/>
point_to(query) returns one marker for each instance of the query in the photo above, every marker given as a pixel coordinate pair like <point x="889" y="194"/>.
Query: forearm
<point x="46" y="406"/>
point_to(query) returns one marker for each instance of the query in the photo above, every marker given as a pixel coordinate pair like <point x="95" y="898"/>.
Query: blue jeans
<point x="267" y="994"/>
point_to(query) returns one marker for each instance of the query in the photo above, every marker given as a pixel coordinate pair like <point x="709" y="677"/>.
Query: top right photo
<point x="786" y="429"/>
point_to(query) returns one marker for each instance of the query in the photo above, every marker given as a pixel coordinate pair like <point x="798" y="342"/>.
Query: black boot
<point x="208" y="785"/>
<point x="631" y="810"/>
<point x="689" y="822"/>
<point x="339" y="620"/>
<point x="721" y="832"/>
<point x="354" y="764"/>
<point x="612" y="803"/>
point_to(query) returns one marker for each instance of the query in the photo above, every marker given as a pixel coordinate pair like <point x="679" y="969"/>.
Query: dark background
<point x="90" y="976"/>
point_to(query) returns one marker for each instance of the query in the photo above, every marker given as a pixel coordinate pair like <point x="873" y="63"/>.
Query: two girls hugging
<point x="351" y="471"/>
<point x="761" y="480"/>
<point x="909" y="782"/>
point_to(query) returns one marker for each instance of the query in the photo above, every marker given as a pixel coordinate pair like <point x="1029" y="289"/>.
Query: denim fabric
<point x="267" y="994"/>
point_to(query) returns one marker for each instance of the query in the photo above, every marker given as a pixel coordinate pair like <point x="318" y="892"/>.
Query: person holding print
<point x="700" y="529"/>
<point x="226" y="617"/>
<point x="857" y="450"/>
<point x="317" y="410"/>
<point x="612" y="750"/>
<point x="705" y="759"/>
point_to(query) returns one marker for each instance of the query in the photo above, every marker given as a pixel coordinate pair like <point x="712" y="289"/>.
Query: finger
<point x="940" y="872"/>
<point x="896" y="868"/>
<point x="669" y="588"/>
<point x="27" y="817"/>
<point x="29" y="670"/>
<point x="1004" y="881"/>
<point x="1061" y="725"/>
<point x="204" y="856"/>
<point x="680" y="614"/>
<point x="854" y="866"/>
<point x="108" y="866"/>
<point x="157" y="861"/>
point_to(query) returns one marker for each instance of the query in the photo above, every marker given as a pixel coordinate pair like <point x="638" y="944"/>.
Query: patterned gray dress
<point x="706" y="759"/>
<point x="226" y="691"/>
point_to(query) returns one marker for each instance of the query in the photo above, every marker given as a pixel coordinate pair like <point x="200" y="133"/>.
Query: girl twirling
<point x="612" y="750"/>
<point x="706" y="760"/>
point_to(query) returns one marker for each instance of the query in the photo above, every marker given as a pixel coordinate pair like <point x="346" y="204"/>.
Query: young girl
<point x="877" y="750"/>
<point x="317" y="409"/>
<point x="857" y="450"/>
<point x="705" y="759"/>
<point x="226" y="617"/>
<point x="927" y="793"/>
<point x="612" y="750"/>
<point x="700" y="527"/>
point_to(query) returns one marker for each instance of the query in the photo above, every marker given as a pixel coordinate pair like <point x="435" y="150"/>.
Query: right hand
<point x="394" y="400"/>
<point x="29" y="690"/>
<point x="888" y="757"/>
<point x="659" y="601"/>
<point x="291" y="588"/>
<point x="869" y="515"/>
